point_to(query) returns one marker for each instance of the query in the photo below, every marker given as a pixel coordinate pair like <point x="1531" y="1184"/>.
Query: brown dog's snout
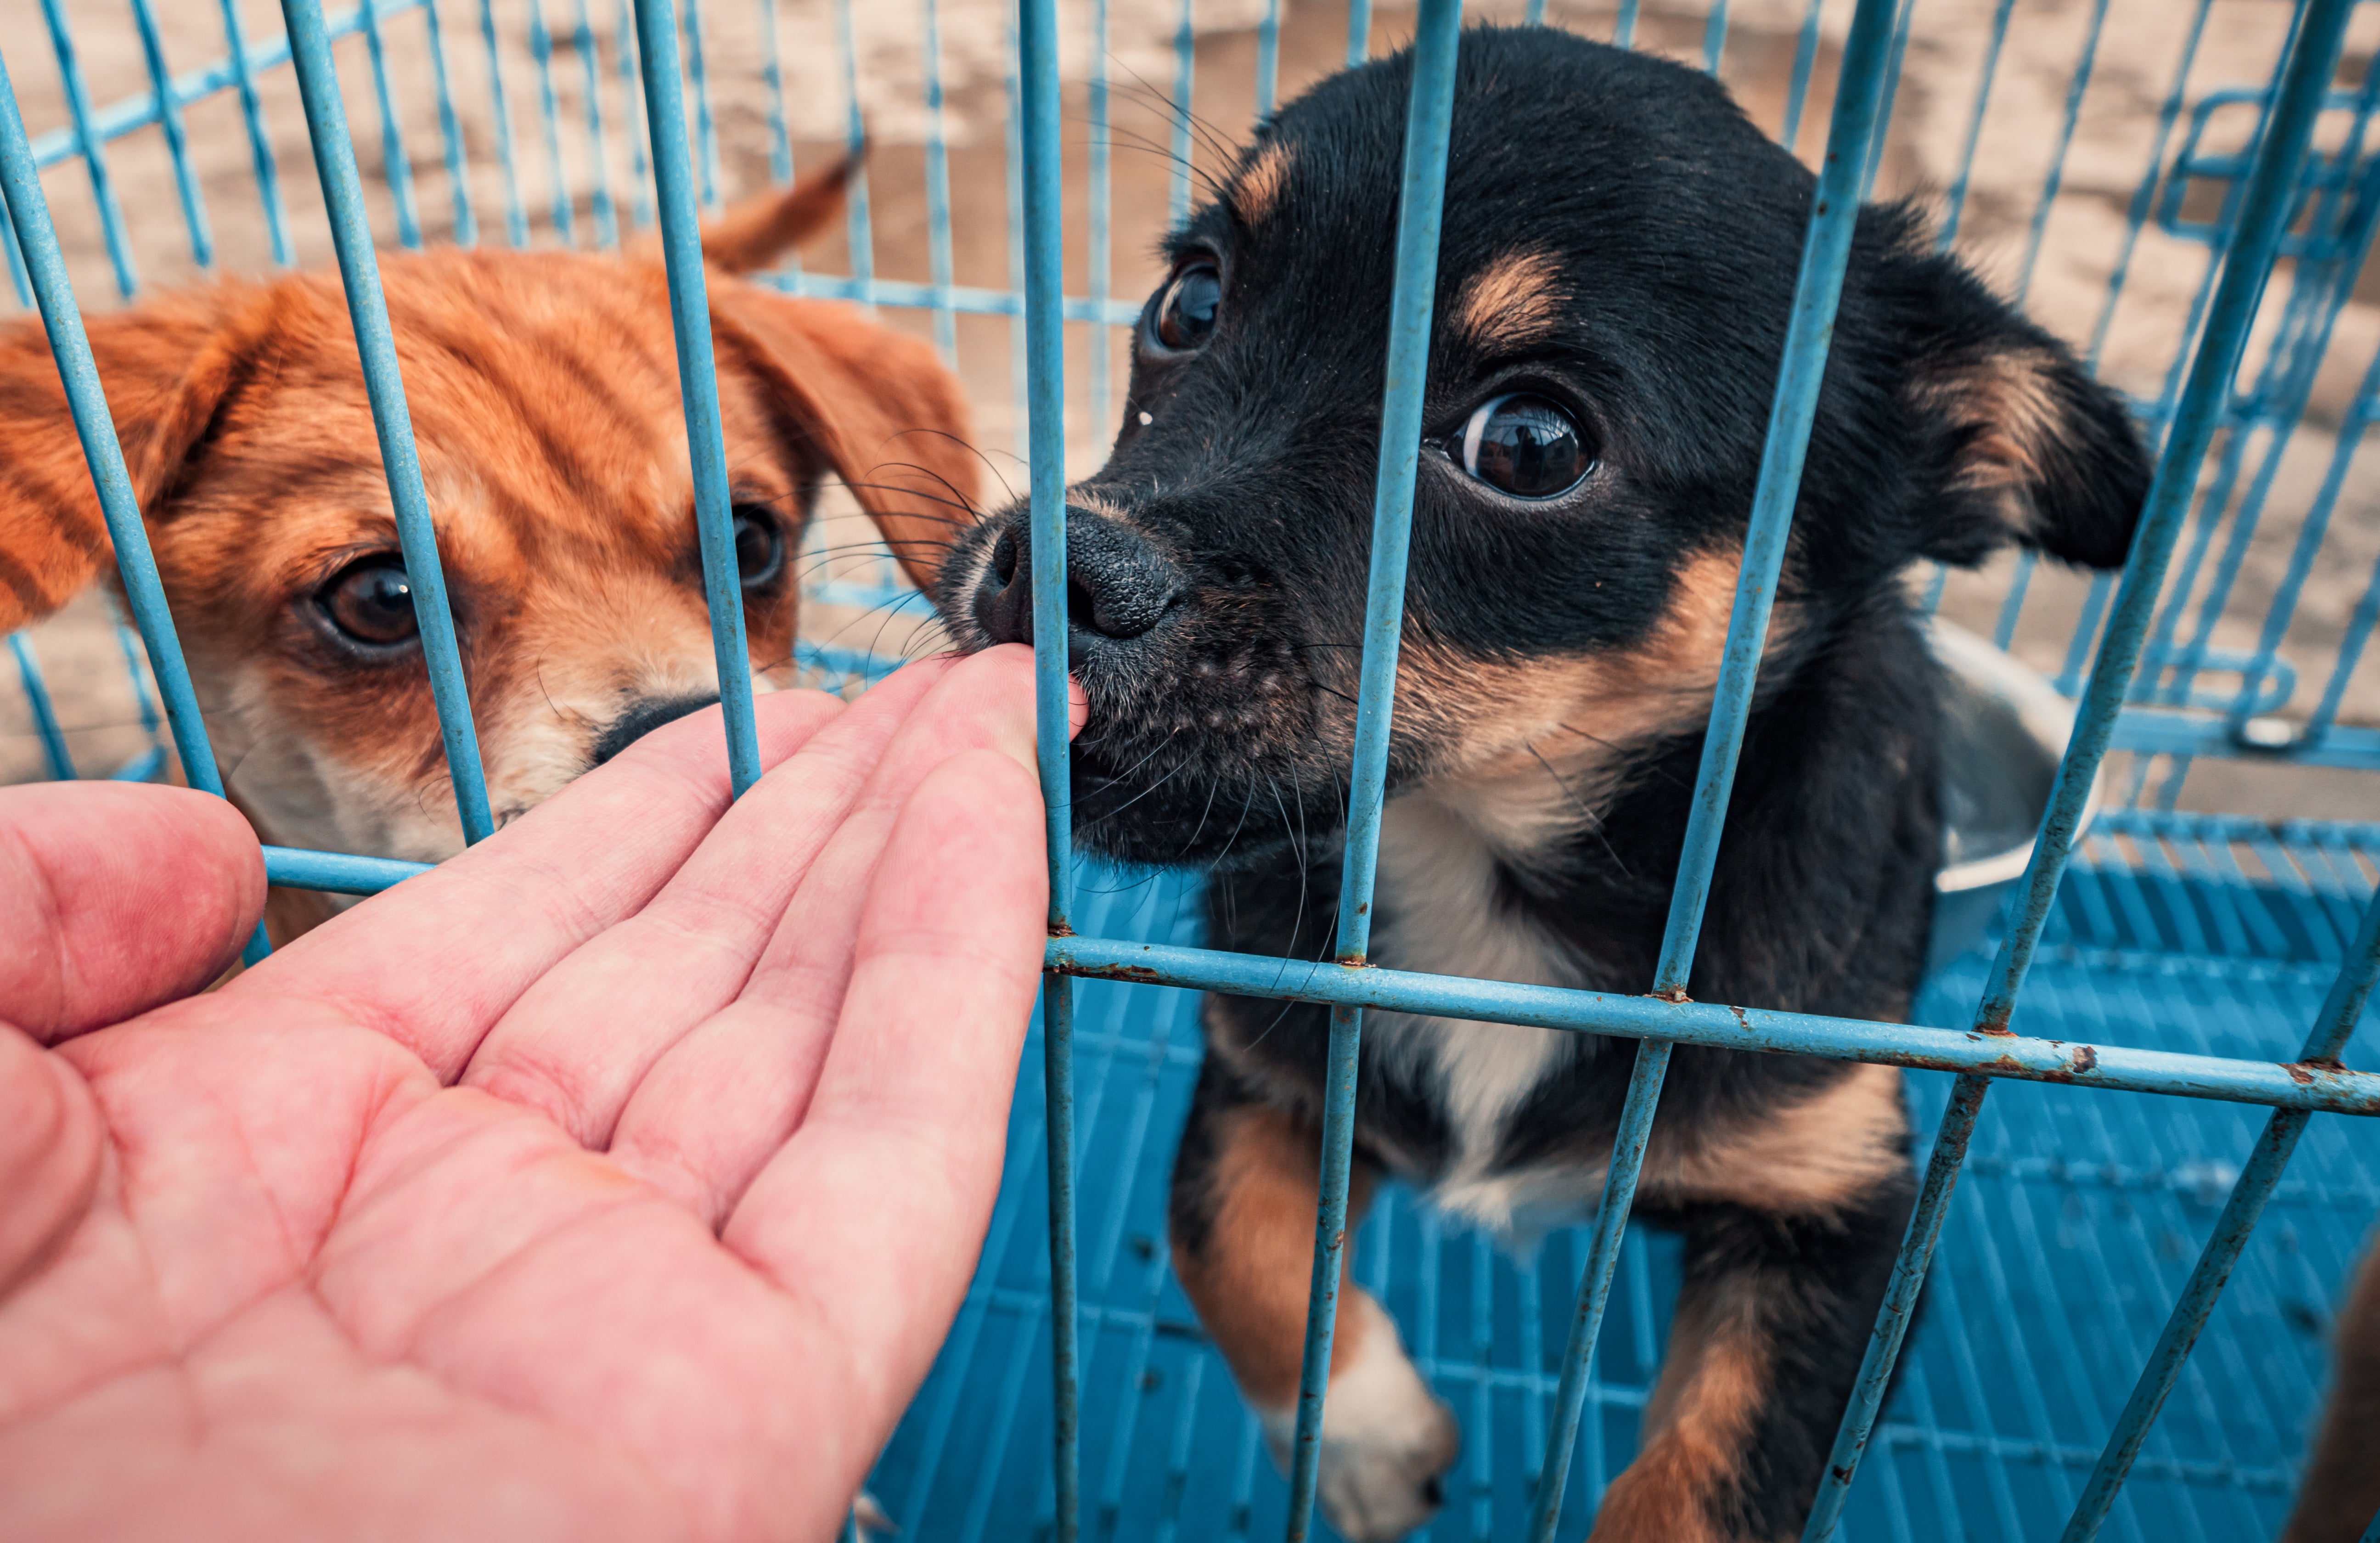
<point x="1119" y="586"/>
<point x="641" y="718"/>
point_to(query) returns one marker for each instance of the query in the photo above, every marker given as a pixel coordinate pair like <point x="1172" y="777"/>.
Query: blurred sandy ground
<point x="2064" y="285"/>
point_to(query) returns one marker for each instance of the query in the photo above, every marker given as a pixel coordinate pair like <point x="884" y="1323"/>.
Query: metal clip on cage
<point x="1988" y="1050"/>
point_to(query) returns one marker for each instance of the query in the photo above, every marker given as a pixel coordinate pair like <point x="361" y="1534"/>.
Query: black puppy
<point x="1619" y="255"/>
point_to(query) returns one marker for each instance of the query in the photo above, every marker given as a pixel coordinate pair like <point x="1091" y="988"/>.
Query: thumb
<point x="116" y="897"/>
<point x="49" y="1154"/>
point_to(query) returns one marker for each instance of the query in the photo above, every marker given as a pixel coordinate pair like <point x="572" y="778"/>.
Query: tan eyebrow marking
<point x="1256" y="191"/>
<point x="1513" y="300"/>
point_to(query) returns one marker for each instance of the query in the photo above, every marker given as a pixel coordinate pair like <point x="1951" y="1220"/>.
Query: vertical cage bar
<point x="706" y="132"/>
<point x="1805" y="60"/>
<point x="1421" y="198"/>
<point x="169" y="122"/>
<point x="515" y="217"/>
<point x="541" y="50"/>
<point x="2336" y="247"/>
<point x="773" y="76"/>
<point x="17" y="277"/>
<point x="2136" y="215"/>
<point x="2086" y="630"/>
<point x="126" y="641"/>
<point x="1891" y="90"/>
<point x="937" y="187"/>
<point x="2078" y="83"/>
<point x="1957" y="200"/>
<point x="1177" y="206"/>
<point x="450" y="133"/>
<point x="1012" y="169"/>
<point x="1100" y="245"/>
<point x="2350" y="991"/>
<point x="28" y="213"/>
<point x="698" y="384"/>
<point x="1714" y="36"/>
<point x="45" y="714"/>
<point x="1269" y="56"/>
<point x="335" y="161"/>
<point x="854" y="138"/>
<point x="632" y="88"/>
<point x="2350" y="653"/>
<point x="396" y="170"/>
<point x="1359" y="32"/>
<point x="598" y="154"/>
<point x="1826" y="257"/>
<point x="1045" y="340"/>
<point x="2283" y="609"/>
<point x="2264" y="212"/>
<point x="1623" y="26"/>
<point x="261" y="161"/>
<point x="94" y="153"/>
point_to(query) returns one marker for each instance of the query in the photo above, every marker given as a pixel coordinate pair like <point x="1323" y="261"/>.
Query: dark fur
<point x="1236" y="521"/>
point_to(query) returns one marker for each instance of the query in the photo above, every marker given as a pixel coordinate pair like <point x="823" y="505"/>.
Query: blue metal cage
<point x="2173" y="992"/>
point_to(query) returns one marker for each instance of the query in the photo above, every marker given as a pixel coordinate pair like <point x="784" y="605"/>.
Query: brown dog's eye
<point x="371" y="603"/>
<point x="1185" y="316"/>
<point x="1527" y="446"/>
<point x="759" y="545"/>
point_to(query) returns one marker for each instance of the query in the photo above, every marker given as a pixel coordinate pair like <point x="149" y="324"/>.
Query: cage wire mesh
<point x="2090" y="157"/>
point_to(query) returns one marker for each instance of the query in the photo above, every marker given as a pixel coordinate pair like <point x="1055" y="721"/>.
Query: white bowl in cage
<point x="2004" y="730"/>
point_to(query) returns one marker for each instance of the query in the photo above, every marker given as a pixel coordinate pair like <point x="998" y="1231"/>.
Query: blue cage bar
<point x="2135" y="658"/>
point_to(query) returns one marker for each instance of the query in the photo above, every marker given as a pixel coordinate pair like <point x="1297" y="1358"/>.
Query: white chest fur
<point x="1440" y="913"/>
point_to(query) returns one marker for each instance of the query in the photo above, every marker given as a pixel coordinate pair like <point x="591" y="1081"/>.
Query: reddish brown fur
<point x="2006" y="402"/>
<point x="543" y="394"/>
<point x="2342" y="1482"/>
<point x="1256" y="192"/>
<point x="1248" y="1282"/>
<point x="1512" y="302"/>
<point x="1713" y="1378"/>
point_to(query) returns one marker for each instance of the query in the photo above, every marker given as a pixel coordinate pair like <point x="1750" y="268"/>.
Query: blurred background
<point x="2089" y="187"/>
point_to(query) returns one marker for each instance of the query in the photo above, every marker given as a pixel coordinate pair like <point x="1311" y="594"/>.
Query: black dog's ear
<point x="2015" y="441"/>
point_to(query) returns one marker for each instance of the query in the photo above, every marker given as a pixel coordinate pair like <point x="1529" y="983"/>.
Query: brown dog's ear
<point x="167" y="367"/>
<point x="876" y="406"/>
<point x="760" y="229"/>
<point x="2014" y="441"/>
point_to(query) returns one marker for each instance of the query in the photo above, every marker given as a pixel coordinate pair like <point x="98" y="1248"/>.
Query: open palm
<point x="617" y="1178"/>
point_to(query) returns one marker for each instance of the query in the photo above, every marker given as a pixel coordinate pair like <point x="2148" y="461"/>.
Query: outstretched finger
<point x="727" y="1095"/>
<point x="580" y="1038"/>
<point x="873" y="1213"/>
<point x="435" y="961"/>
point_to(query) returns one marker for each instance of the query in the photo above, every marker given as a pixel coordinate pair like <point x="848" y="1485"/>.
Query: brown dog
<point x="543" y="390"/>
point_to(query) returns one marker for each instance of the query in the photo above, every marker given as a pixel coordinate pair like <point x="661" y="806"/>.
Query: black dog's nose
<point x="1118" y="584"/>
<point x="642" y="717"/>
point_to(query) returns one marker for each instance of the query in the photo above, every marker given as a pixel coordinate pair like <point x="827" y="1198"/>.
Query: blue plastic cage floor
<point x="2075" y="1224"/>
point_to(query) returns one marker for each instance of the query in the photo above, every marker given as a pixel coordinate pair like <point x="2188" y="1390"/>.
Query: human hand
<point x="619" y="1177"/>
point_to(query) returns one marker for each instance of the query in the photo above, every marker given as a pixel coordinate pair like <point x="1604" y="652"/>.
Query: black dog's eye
<point x="1525" y="446"/>
<point x="1185" y="316"/>
<point x="371" y="603"/>
<point x="759" y="545"/>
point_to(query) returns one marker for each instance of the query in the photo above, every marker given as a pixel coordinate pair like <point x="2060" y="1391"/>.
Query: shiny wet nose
<point x="1119" y="586"/>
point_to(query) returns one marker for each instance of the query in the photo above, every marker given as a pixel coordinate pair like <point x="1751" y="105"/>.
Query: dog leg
<point x="1771" y="1322"/>
<point x="2342" y="1477"/>
<point x="1244" y="1190"/>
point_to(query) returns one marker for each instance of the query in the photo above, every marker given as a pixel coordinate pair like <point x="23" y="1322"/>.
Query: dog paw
<point x="1387" y="1441"/>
